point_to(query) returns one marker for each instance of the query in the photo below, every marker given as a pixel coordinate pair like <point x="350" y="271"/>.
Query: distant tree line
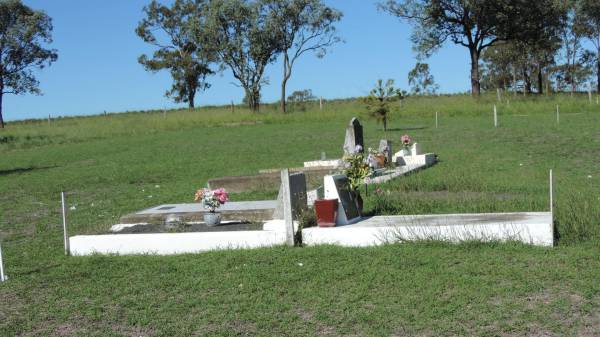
<point x="197" y="38"/>
<point x="512" y="44"/>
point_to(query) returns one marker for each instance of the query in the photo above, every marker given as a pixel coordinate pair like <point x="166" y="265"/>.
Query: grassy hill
<point x="115" y="164"/>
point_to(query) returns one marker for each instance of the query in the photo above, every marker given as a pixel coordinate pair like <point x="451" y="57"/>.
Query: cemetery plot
<point x="243" y="220"/>
<point x="529" y="228"/>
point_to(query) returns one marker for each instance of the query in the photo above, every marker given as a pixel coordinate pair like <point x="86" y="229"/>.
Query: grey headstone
<point x="354" y="137"/>
<point x="346" y="197"/>
<point x="298" y="193"/>
<point x="385" y="147"/>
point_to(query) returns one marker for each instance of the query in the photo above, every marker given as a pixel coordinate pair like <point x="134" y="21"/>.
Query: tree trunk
<point x="191" y="96"/>
<point x="540" y="80"/>
<point x="597" y="70"/>
<point x="475" y="84"/>
<point x="385" y="122"/>
<point x="255" y="100"/>
<point x="286" y="76"/>
<point x="514" y="78"/>
<point x="1" y="119"/>
<point x="527" y="79"/>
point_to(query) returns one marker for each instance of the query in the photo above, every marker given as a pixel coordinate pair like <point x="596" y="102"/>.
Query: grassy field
<point x="115" y="164"/>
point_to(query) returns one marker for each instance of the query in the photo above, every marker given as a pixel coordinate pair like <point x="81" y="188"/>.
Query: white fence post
<point x="288" y="216"/>
<point x="2" y="276"/>
<point x="64" y="217"/>
<point x="557" y="115"/>
<point x="321" y="103"/>
<point x="436" y="119"/>
<point x="495" y="117"/>
<point x="552" y="201"/>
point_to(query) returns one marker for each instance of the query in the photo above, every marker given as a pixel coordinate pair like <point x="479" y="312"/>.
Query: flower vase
<point x="212" y="218"/>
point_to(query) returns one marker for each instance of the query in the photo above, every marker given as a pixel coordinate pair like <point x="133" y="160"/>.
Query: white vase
<point x="212" y="218"/>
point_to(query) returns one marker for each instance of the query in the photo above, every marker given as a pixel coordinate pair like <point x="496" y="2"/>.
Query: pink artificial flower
<point x="405" y="140"/>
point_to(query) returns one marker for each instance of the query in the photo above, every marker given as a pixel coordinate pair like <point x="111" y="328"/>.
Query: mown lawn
<point x="112" y="165"/>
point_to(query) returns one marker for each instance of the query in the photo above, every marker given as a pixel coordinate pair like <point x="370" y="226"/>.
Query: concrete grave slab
<point x="531" y="228"/>
<point x="173" y="243"/>
<point x="244" y="211"/>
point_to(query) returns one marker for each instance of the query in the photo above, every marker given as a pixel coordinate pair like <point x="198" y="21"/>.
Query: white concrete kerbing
<point x="529" y="228"/>
<point x="324" y="163"/>
<point x="426" y="159"/>
<point x="173" y="243"/>
<point x="278" y="225"/>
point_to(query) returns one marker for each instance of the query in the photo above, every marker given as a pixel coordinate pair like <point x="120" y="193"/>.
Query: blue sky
<point x="97" y="69"/>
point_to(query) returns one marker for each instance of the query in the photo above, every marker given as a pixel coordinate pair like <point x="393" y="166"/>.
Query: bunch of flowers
<point x="405" y="141"/>
<point x="356" y="169"/>
<point x="212" y="199"/>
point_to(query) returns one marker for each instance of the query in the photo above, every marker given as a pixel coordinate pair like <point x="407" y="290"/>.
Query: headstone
<point x="288" y="213"/>
<point x="298" y="195"/>
<point x="415" y="150"/>
<point x="354" y="137"/>
<point x="337" y="187"/>
<point x="385" y="147"/>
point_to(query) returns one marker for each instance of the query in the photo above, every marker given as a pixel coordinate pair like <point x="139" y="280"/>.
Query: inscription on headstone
<point x="354" y="137"/>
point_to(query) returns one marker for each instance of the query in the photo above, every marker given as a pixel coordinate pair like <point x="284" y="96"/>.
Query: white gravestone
<point x="415" y="150"/>
<point x="337" y="187"/>
<point x="385" y="147"/>
<point x="354" y="137"/>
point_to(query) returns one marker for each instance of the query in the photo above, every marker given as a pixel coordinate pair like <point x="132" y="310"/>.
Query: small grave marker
<point x="385" y="147"/>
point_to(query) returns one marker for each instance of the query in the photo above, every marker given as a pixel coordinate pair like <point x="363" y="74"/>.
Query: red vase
<point x="326" y="210"/>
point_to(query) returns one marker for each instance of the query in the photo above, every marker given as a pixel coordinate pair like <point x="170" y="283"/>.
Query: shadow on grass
<point x="410" y="128"/>
<point x="20" y="170"/>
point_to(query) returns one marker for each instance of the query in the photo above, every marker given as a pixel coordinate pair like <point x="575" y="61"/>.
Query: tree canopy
<point x="188" y="59"/>
<point x="24" y="32"/>
<point x="245" y="40"/>
<point x="474" y="24"/>
<point x="301" y="26"/>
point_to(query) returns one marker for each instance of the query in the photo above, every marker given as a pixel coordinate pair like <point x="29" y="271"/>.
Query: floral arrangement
<point x="356" y="169"/>
<point x="405" y="141"/>
<point x="212" y="199"/>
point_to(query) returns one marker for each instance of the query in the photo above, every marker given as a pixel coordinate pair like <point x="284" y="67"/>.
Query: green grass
<point x="112" y="165"/>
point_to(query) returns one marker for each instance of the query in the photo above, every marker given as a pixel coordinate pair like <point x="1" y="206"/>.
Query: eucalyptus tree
<point x="421" y="80"/>
<point x="301" y="26"/>
<point x="171" y="29"/>
<point x="589" y="19"/>
<point x="245" y="39"/>
<point x="24" y="32"/>
<point x="474" y="24"/>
